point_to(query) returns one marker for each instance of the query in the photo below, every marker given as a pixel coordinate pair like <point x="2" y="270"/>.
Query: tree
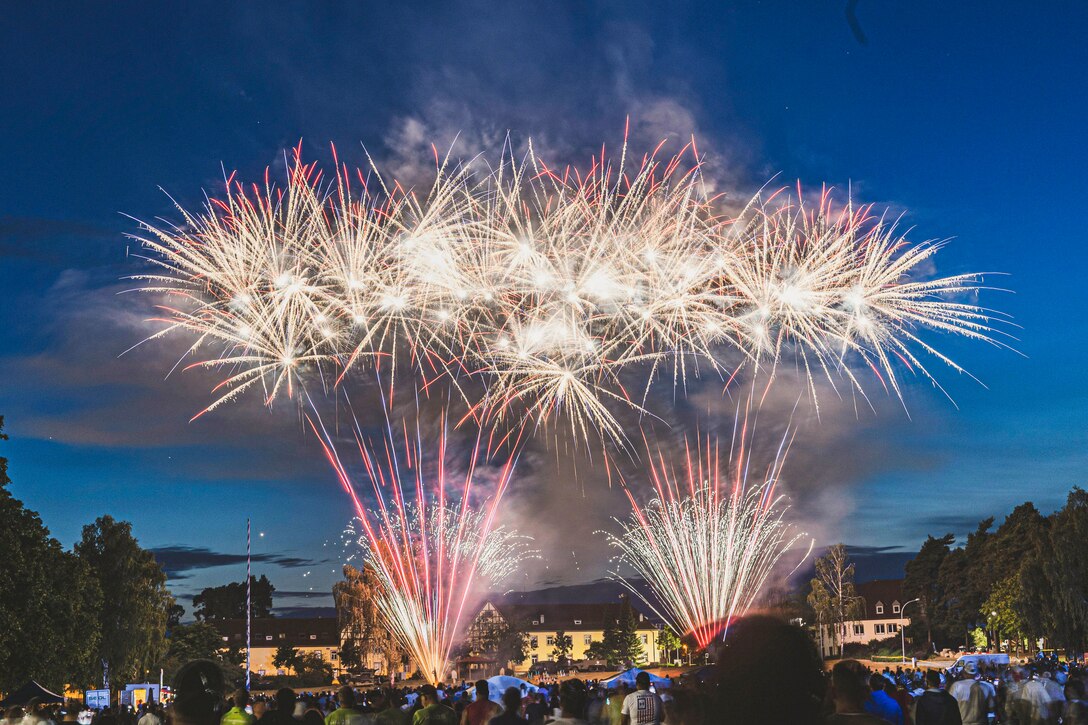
<point x="286" y="657"/>
<point x="49" y="602"/>
<point x="834" y="598"/>
<point x="564" y="643"/>
<point x="1002" y="611"/>
<point x="669" y="642"/>
<point x="229" y="600"/>
<point x="133" y="622"/>
<point x="621" y="643"/>
<point x="922" y="582"/>
<point x="188" y="642"/>
<point x="362" y="627"/>
<point x="311" y="670"/>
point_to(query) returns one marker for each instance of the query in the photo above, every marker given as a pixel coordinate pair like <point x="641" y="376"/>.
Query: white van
<point x="975" y="662"/>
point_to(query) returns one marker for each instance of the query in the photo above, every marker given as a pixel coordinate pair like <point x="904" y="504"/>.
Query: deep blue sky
<point x="968" y="115"/>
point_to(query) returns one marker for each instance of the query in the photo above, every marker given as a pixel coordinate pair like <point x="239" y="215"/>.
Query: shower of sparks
<point x="431" y="548"/>
<point x="708" y="540"/>
<point x="548" y="286"/>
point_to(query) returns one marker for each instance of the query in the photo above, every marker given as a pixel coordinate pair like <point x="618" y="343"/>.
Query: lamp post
<point x="903" y="628"/>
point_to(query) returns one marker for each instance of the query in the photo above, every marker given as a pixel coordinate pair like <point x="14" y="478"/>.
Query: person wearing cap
<point x="432" y="711"/>
<point x="237" y="715"/>
<point x="972" y="696"/>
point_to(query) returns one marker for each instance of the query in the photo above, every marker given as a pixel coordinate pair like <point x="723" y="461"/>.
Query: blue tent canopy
<point x="499" y="684"/>
<point x="628" y="678"/>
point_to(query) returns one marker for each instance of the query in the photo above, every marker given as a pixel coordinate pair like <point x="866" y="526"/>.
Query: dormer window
<point x="895" y="608"/>
<point x="577" y="621"/>
<point x="879" y="608"/>
<point x="536" y="621"/>
<point x="542" y="619"/>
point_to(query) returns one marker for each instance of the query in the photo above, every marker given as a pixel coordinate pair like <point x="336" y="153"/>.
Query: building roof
<point x="568" y="617"/>
<point x="276" y="631"/>
<point x="884" y="591"/>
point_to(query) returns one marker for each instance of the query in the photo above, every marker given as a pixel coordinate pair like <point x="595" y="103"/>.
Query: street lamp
<point x="903" y="628"/>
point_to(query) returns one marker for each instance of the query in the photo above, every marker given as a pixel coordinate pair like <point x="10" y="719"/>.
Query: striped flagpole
<point x="249" y="608"/>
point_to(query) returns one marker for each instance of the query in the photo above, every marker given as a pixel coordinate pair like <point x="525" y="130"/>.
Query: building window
<point x="550" y="641"/>
<point x="313" y="636"/>
<point x="283" y="636"/>
<point x="879" y="608"/>
<point x="893" y="628"/>
<point x="859" y="629"/>
<point x="281" y="671"/>
<point x="879" y="629"/>
<point x="577" y="621"/>
<point x="644" y="640"/>
<point x="536" y="622"/>
<point x="332" y="656"/>
<point x="895" y="608"/>
<point x="535" y="659"/>
<point x="261" y="672"/>
<point x="534" y="643"/>
<point x="588" y="639"/>
<point x="268" y="637"/>
<point x="320" y="655"/>
<point x="225" y="638"/>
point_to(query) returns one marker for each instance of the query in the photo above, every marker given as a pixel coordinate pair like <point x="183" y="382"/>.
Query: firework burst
<point x="431" y="548"/>
<point x="552" y="288"/>
<point x="708" y="540"/>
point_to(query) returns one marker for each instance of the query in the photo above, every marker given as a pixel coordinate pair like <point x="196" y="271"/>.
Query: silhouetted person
<point x="935" y="706"/>
<point x="432" y="711"/>
<point x="284" y="711"/>
<point x="481" y="711"/>
<point x="511" y="702"/>
<point x="768" y="673"/>
<point x="198" y="695"/>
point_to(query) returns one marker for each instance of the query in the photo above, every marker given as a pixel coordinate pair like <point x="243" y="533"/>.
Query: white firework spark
<point x="548" y="287"/>
<point x="709" y="539"/>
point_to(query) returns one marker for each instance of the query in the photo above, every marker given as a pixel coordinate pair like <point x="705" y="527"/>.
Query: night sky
<point x="968" y="117"/>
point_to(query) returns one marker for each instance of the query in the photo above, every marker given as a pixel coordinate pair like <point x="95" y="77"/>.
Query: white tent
<point x="628" y="678"/>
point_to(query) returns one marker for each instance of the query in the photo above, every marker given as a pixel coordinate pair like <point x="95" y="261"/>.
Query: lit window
<point x="644" y="639"/>
<point x="281" y="671"/>
<point x="313" y="636"/>
<point x="261" y="672"/>
<point x="536" y="622"/>
<point x="588" y="639"/>
<point x="320" y="655"/>
<point x="283" y="636"/>
<point x="577" y="621"/>
<point x="268" y="637"/>
<point x="225" y="638"/>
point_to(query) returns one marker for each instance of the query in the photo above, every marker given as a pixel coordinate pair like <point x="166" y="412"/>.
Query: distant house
<point x="320" y="635"/>
<point x="583" y="623"/>
<point x="882" y="616"/>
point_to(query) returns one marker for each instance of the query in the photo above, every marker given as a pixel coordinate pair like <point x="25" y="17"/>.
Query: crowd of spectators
<point x="767" y="673"/>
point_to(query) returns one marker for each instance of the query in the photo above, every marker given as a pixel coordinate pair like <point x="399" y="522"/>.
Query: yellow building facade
<point x="583" y="623"/>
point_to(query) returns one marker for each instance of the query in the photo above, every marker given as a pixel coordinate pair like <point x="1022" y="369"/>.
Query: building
<point x="320" y="635"/>
<point x="583" y="623"/>
<point x="882" y="617"/>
